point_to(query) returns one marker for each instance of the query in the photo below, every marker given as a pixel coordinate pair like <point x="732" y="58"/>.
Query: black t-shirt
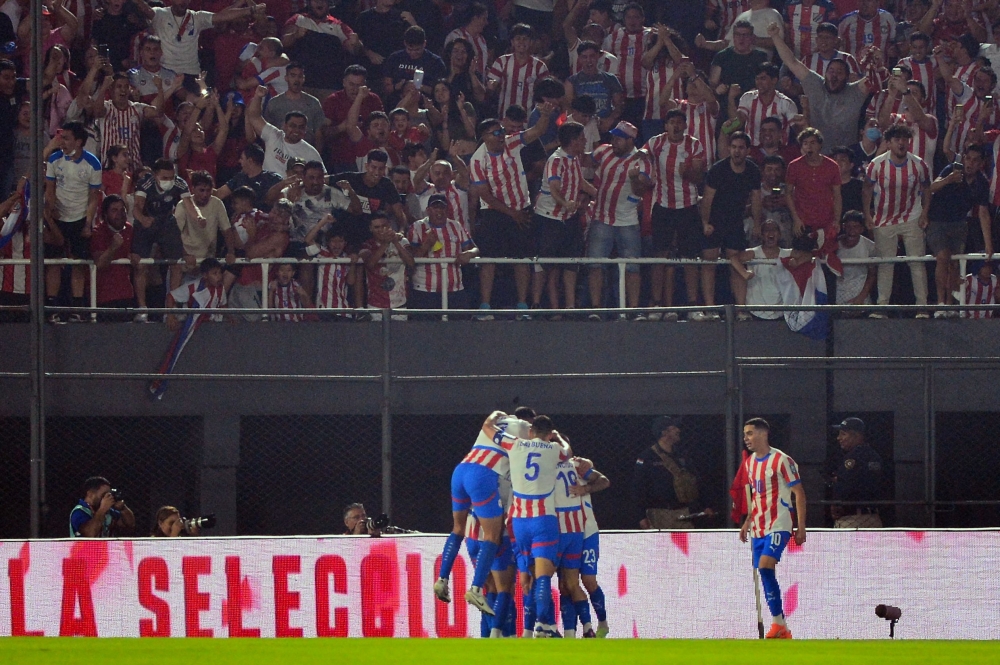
<point x="117" y="32"/>
<point x="850" y="195"/>
<point x="260" y="184"/>
<point x="732" y="191"/>
<point x="9" y="106"/>
<point x="323" y="57"/>
<point x="952" y="203"/>
<point x="737" y="68"/>
<point x="400" y="67"/>
<point x="373" y="199"/>
<point x="381" y="33"/>
<point x="160" y="205"/>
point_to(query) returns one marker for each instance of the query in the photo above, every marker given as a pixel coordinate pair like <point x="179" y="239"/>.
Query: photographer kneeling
<point x="100" y="511"/>
<point x="170" y="524"/>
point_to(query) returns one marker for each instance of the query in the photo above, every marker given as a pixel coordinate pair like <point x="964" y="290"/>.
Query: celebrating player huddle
<point x="521" y="467"/>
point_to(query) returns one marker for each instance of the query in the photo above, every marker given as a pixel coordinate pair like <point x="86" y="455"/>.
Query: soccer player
<point x="533" y="468"/>
<point x="569" y="509"/>
<point x="773" y="478"/>
<point x="588" y="482"/>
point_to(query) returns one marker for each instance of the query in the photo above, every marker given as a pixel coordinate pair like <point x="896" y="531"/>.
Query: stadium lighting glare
<point x="890" y="614"/>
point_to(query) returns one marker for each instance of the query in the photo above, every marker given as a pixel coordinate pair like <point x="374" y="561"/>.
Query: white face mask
<point x="165" y="184"/>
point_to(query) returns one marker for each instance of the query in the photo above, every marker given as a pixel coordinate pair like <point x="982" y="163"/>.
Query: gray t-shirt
<point x="835" y="114"/>
<point x="307" y="104"/>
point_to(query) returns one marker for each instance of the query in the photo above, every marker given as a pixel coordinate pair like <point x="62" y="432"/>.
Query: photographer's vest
<point x="82" y="507"/>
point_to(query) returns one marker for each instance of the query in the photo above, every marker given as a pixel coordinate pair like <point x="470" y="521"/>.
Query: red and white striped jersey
<point x="663" y="167"/>
<point x="978" y="292"/>
<point x="860" y="34"/>
<point x="479" y="47"/>
<point x="122" y="126"/>
<point x="924" y="142"/>
<point x="286" y="296"/>
<point x="589" y="521"/>
<point x="533" y="470"/>
<point x="517" y="80"/>
<point x="965" y="73"/>
<point x="818" y="63"/>
<point x="606" y="62"/>
<point x="616" y="204"/>
<point x="199" y="295"/>
<point x="171" y="134"/>
<point x="897" y="188"/>
<point x="272" y="77"/>
<point x="566" y="169"/>
<point x="973" y="108"/>
<point x="144" y="82"/>
<point x="502" y="172"/>
<point x="331" y="279"/>
<point x="629" y="47"/>
<point x="878" y="99"/>
<point x="15" y="279"/>
<point x="569" y="508"/>
<point x="244" y="220"/>
<point x="771" y="479"/>
<point x="727" y="11"/>
<point x="487" y="452"/>
<point x="458" y="203"/>
<point x="924" y="72"/>
<point x="657" y="79"/>
<point x="701" y="125"/>
<point x="452" y="241"/>
<point x="756" y="110"/>
<point x="803" y="17"/>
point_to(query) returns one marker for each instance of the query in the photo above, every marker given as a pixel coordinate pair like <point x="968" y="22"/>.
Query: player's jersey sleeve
<point x="789" y="471"/>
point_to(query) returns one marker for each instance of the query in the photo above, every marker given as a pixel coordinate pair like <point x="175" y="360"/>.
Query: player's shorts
<point x="570" y="550"/>
<point x="504" y="558"/>
<point x="772" y="545"/>
<point x="591" y="553"/>
<point x="477" y="488"/>
<point x="537" y="537"/>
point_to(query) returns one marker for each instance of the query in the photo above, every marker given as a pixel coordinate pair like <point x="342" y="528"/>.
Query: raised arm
<point x="254" y="117"/>
<point x="545" y="110"/>
<point x="795" y="66"/>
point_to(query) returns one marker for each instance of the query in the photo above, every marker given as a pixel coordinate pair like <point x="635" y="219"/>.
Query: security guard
<point x="857" y="478"/>
<point x="663" y="488"/>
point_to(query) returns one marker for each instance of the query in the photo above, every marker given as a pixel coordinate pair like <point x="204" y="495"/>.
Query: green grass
<point x="70" y="651"/>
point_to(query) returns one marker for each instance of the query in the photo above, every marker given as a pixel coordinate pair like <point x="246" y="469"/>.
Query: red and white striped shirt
<point x="480" y="50"/>
<point x="606" y="62"/>
<point x="979" y="293"/>
<point x="271" y="77"/>
<point x="517" y="80"/>
<point x="966" y="73"/>
<point x="566" y="169"/>
<point x="452" y="241"/>
<point x="878" y="99"/>
<point x="803" y="17"/>
<point x="15" y="278"/>
<point x="860" y="34"/>
<point x="672" y="190"/>
<point x="122" y="126"/>
<point x="286" y="296"/>
<point x="924" y="142"/>
<point x="818" y="63"/>
<point x="491" y="454"/>
<point x="771" y="478"/>
<point x="657" y="79"/>
<point x="727" y="11"/>
<point x="458" y="203"/>
<point x="533" y="466"/>
<point x="701" y="125"/>
<point x="897" y="188"/>
<point x="331" y="280"/>
<point x="502" y="173"/>
<point x="616" y="204"/>
<point x="629" y="48"/>
<point x="973" y="108"/>
<point x="569" y="508"/>
<point x="923" y="72"/>
<point x="756" y="111"/>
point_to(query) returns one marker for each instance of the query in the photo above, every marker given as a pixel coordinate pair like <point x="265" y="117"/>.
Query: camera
<point x="380" y="522"/>
<point x="117" y="494"/>
<point x="206" y="522"/>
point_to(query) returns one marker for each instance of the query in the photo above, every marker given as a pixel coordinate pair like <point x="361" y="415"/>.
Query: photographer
<point x="170" y="524"/>
<point x="100" y="511"/>
<point x="356" y="521"/>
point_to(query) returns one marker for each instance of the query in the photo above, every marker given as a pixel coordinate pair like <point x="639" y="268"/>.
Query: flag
<point x="18" y="217"/>
<point x="804" y="284"/>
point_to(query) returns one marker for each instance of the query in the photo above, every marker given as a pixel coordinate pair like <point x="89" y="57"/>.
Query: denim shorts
<point x="603" y="237"/>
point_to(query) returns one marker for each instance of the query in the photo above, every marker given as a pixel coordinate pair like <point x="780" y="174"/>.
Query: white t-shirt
<point x="763" y="288"/>
<point x="277" y="151"/>
<point x="855" y="274"/>
<point x="74" y="178"/>
<point x="179" y="38"/>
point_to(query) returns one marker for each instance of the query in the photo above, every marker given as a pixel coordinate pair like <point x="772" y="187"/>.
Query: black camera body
<point x="117" y="494"/>
<point x="380" y="522"/>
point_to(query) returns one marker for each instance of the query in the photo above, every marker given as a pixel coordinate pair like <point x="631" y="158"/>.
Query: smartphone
<point x="897" y="71"/>
<point x="102" y="51"/>
<point x="958" y="166"/>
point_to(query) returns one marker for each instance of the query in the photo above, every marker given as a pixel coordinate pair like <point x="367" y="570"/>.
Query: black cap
<point x="663" y="422"/>
<point x="851" y="425"/>
<point x="435" y="199"/>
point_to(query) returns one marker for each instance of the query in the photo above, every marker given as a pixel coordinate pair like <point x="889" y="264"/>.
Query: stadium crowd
<point x="384" y="131"/>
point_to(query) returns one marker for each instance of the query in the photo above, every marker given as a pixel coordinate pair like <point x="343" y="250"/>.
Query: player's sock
<point x="597" y="600"/>
<point x="485" y="620"/>
<point x="568" y="611"/>
<point x="452" y="546"/>
<point x="484" y="562"/>
<point x="583" y="611"/>
<point x="510" y="619"/>
<point x="529" y="611"/>
<point x="772" y="592"/>
<point x="499" y="604"/>
<point x="543" y="599"/>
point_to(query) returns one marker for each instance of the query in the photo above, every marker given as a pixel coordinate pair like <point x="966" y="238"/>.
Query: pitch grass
<point x="72" y="651"/>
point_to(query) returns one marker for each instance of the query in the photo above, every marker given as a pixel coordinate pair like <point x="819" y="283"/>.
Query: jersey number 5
<point x="531" y="464"/>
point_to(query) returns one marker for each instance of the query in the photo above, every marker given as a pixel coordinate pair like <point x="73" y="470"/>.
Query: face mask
<point x="165" y="184"/>
<point x="873" y="133"/>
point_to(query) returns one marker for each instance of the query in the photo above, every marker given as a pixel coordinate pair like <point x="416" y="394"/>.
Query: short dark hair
<point x="970" y="44"/>
<point x="476" y="9"/>
<point x="209" y="264"/>
<point x="898" y="132"/>
<point x="587" y="46"/>
<point x="296" y="114"/>
<point x="569" y="131"/>
<point x="920" y="86"/>
<point x="521" y="29"/>
<point x="917" y="36"/>
<point x="400" y="169"/>
<point x="526" y="413"/>
<point x="7" y="65"/>
<point x="163" y="164"/>
<point x="741" y="136"/>
<point x="244" y="193"/>
<point x="768" y="68"/>
<point x="675" y="113"/>
<point x="314" y="165"/>
<point x="758" y="423"/>
<point x="975" y="147"/>
<point x="828" y="28"/>
<point x="854" y="216"/>
<point x="376" y="115"/>
<point x="356" y="70"/>
<point x="584" y="104"/>
<point x="295" y="64"/>
<point x="810" y="133"/>
<point x="94" y="482"/>
<point x="743" y="23"/>
<point x="841" y="62"/>
<point x="254" y="153"/>
<point x="108" y="201"/>
<point x="414" y="36"/>
<point x="542" y="424"/>
<point x="771" y="120"/>
<point x="78" y="130"/>
<point x="336" y="230"/>
<point x="516" y="113"/>
<point x="634" y="6"/>
<point x="377" y="155"/>
<point x="484" y="126"/>
<point x="199" y="178"/>
<point x="774" y="159"/>
<point x="411" y="150"/>
<point x="548" y="87"/>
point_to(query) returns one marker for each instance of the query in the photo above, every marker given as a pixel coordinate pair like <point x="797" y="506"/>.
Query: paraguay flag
<point x="18" y="217"/>
<point x="804" y="285"/>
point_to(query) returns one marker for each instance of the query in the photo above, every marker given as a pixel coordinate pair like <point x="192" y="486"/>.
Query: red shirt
<point x="112" y="182"/>
<point x="198" y="161"/>
<point x="814" y="190"/>
<point x="227" y="47"/>
<point x="113" y="282"/>
<point x="335" y="107"/>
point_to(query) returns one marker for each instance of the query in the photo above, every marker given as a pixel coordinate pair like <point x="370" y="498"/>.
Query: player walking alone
<point x="773" y="478"/>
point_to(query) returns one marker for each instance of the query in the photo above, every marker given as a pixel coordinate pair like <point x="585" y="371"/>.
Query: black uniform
<point x="858" y="477"/>
<point x="653" y="484"/>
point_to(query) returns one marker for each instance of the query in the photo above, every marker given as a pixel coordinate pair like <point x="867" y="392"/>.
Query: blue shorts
<point x="591" y="553"/>
<point x="570" y="550"/>
<point x="504" y="558"/>
<point x="772" y="545"/>
<point x="537" y="538"/>
<point x="476" y="487"/>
